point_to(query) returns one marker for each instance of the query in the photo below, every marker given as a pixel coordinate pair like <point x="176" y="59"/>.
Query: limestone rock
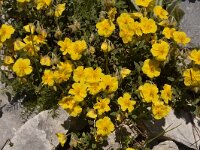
<point x="10" y="120"/>
<point x="121" y="132"/>
<point x="39" y="133"/>
<point x="167" y="145"/>
<point x="190" y="22"/>
<point x="179" y="128"/>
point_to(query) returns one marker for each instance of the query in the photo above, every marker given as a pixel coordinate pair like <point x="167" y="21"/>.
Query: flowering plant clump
<point x="106" y="62"/>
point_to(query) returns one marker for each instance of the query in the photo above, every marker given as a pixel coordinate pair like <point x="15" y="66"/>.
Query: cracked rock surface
<point x="190" y="22"/>
<point x="181" y="128"/>
<point x="10" y="120"/>
<point x="167" y="145"/>
<point x="39" y="133"/>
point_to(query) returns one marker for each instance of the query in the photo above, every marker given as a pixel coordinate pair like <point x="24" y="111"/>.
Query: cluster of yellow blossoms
<point x="60" y="74"/>
<point x="5" y="33"/>
<point x="74" y="49"/>
<point x="160" y="50"/>
<point x="91" y="83"/>
<point x="192" y="75"/>
<point x="31" y="43"/>
<point x="149" y="94"/>
<point x="40" y="4"/>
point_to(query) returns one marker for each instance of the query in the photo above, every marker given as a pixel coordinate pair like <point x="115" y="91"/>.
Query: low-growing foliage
<point x="106" y="62"/>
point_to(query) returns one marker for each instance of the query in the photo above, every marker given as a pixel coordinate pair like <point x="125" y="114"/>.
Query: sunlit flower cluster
<point x="119" y="66"/>
<point x="74" y="49"/>
<point x="149" y="94"/>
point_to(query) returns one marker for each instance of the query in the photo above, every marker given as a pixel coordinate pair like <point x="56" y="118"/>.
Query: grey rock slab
<point x="167" y="145"/>
<point x="112" y="143"/>
<point x="119" y="134"/>
<point x="179" y="127"/>
<point x="10" y="121"/>
<point x="190" y="22"/>
<point x="39" y="132"/>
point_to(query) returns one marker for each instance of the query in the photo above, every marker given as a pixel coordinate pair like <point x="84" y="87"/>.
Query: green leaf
<point x="137" y="66"/>
<point x="170" y="79"/>
<point x="136" y="7"/>
<point x="94" y="146"/>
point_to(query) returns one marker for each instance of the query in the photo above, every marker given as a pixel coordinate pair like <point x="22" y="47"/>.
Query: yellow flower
<point x="102" y="105"/>
<point x="61" y="138"/>
<point x="5" y="32"/>
<point x="137" y="15"/>
<point x="75" y="56"/>
<point x="195" y="56"/>
<point x="60" y="76"/>
<point x="78" y="74"/>
<point x="151" y="68"/>
<point x="66" y="46"/>
<point x="59" y="9"/>
<point x="30" y="45"/>
<point x="130" y="149"/>
<point x="181" y="37"/>
<point x="148" y="25"/>
<point x="79" y="91"/>
<point x="159" y="111"/>
<point x="104" y="126"/>
<point x="94" y="88"/>
<point x="8" y="60"/>
<point x="105" y="28"/>
<point x="109" y="83"/>
<point x="22" y="1"/>
<point x="105" y="47"/>
<point x="160" y="12"/>
<point x="119" y="117"/>
<point x="22" y="67"/>
<point x="160" y="50"/>
<point x="166" y="93"/>
<point x="144" y="3"/>
<point x="149" y="92"/>
<point x="77" y="48"/>
<point x="93" y="76"/>
<point x="191" y="77"/>
<point x="75" y="111"/>
<point x="48" y="77"/>
<point x="168" y="32"/>
<point x="126" y="35"/>
<point x="111" y="14"/>
<point x="92" y="114"/>
<point x="67" y="102"/>
<point x="30" y="28"/>
<point x="125" y="20"/>
<point x="65" y="67"/>
<point x="126" y="103"/>
<point x="80" y="46"/>
<point x="42" y="3"/>
<point x="74" y="49"/>
<point x="137" y="29"/>
<point x="18" y="45"/>
<point x="125" y="72"/>
<point x="39" y="39"/>
<point x="45" y="61"/>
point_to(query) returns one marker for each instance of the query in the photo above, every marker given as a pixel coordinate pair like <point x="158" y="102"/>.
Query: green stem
<point x="106" y="63"/>
<point x="162" y="133"/>
<point x="37" y="68"/>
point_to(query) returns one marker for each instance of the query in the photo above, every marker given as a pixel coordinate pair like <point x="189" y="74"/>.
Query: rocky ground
<point x="38" y="133"/>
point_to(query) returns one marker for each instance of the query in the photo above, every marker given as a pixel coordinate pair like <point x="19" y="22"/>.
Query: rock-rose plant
<point x="106" y="62"/>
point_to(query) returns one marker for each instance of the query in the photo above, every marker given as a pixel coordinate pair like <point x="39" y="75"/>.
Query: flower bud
<point x="58" y="34"/>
